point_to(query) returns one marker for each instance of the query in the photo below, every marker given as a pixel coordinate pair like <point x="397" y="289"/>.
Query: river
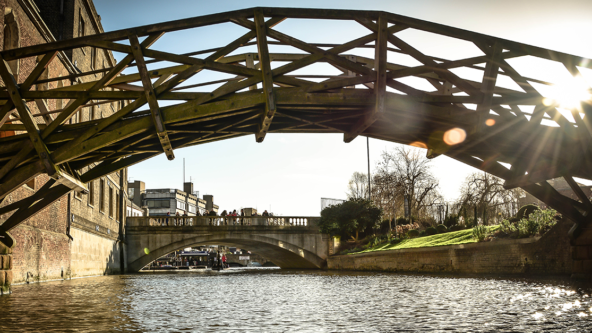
<point x="272" y="300"/>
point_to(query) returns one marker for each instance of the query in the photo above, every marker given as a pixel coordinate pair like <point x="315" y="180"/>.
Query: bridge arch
<point x="285" y="247"/>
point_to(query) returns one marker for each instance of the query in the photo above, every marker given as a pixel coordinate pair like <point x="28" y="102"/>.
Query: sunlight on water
<point x="295" y="301"/>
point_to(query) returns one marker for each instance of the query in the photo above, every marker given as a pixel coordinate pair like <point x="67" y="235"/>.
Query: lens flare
<point x="454" y="136"/>
<point x="146" y="250"/>
<point x="490" y="122"/>
<point x="569" y="94"/>
<point x="548" y="101"/>
<point x="419" y="144"/>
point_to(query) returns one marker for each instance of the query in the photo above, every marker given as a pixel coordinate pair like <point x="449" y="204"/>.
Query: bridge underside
<point x="299" y="247"/>
<point x="167" y="101"/>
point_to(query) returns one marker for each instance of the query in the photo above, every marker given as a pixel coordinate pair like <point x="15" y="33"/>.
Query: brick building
<point x="78" y="235"/>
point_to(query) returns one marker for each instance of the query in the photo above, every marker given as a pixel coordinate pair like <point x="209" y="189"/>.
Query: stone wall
<point x="550" y="254"/>
<point x="5" y="269"/>
<point x="94" y="254"/>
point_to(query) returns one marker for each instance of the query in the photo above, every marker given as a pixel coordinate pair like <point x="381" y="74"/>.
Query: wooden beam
<point x="488" y="84"/>
<point x="151" y="98"/>
<point x="43" y="199"/>
<point x="379" y="87"/>
<point x="27" y="118"/>
<point x="579" y="192"/>
<point x="263" y="51"/>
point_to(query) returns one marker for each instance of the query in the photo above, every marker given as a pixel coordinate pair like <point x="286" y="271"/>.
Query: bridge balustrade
<point x="181" y="221"/>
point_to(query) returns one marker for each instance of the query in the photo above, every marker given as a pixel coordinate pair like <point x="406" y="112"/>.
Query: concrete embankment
<point x="550" y="254"/>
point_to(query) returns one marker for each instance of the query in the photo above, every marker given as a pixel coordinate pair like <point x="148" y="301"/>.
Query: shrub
<point x="431" y="231"/>
<point x="480" y="232"/>
<point x="422" y="233"/>
<point x="507" y="227"/>
<point x="451" y="220"/>
<point x="526" y="210"/>
<point x="513" y="219"/>
<point x="413" y="233"/>
<point x="395" y="241"/>
<point x="441" y="228"/>
<point x="402" y="221"/>
<point x="456" y="227"/>
<point x="537" y="223"/>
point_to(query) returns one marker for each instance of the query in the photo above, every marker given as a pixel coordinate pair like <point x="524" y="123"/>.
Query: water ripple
<point x="295" y="301"/>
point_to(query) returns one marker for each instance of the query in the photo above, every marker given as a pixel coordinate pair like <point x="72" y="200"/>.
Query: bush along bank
<point x="530" y="221"/>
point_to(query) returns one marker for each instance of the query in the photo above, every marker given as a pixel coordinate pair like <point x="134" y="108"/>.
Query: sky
<point x="288" y="174"/>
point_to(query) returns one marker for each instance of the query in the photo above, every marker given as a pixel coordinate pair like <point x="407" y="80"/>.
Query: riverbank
<point x="550" y="254"/>
<point x="448" y="238"/>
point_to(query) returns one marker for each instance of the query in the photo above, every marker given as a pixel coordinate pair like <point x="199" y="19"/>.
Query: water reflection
<point x="295" y="301"/>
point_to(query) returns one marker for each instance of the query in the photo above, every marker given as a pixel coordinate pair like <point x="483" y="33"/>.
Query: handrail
<point x="181" y="221"/>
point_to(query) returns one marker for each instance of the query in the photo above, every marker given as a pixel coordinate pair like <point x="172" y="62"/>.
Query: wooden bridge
<point x="478" y="122"/>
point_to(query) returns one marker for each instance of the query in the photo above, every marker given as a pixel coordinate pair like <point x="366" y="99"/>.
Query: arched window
<point x="11" y="38"/>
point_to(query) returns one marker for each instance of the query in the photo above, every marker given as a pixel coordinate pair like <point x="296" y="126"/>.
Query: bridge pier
<point x="5" y="269"/>
<point x="582" y="255"/>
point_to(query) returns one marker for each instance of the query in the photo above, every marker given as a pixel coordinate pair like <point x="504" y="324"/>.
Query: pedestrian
<point x="167" y="219"/>
<point x="223" y="261"/>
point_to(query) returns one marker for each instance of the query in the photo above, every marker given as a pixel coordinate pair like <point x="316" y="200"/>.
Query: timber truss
<point x="171" y="100"/>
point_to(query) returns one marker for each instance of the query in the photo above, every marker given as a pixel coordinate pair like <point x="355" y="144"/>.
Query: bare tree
<point x="358" y="186"/>
<point x="405" y="172"/>
<point x="487" y="195"/>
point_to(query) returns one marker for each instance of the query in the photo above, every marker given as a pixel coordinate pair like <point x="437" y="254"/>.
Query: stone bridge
<point x="290" y="242"/>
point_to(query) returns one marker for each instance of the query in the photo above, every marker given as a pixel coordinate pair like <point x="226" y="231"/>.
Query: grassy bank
<point x="449" y="238"/>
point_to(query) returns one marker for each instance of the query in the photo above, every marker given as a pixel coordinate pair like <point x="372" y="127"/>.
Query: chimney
<point x="209" y="201"/>
<point x="188" y="187"/>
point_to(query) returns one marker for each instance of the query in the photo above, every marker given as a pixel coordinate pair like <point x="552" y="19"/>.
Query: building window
<point x="117" y="213"/>
<point x="102" y="195"/>
<point x="130" y="193"/>
<point x="91" y="193"/>
<point x="158" y="203"/>
<point x="181" y="205"/>
<point x="80" y="24"/>
<point x="111" y="205"/>
<point x="192" y="209"/>
<point x="93" y="58"/>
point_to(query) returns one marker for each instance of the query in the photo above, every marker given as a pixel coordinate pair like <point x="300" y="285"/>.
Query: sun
<point x="569" y="94"/>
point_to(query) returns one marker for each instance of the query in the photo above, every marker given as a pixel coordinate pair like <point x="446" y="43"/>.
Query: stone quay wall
<point x="550" y="254"/>
<point x="5" y="269"/>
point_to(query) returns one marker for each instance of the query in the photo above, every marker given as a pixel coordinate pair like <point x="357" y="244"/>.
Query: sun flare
<point x="569" y="94"/>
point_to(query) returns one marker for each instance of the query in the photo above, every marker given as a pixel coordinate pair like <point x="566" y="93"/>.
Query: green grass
<point x="449" y="238"/>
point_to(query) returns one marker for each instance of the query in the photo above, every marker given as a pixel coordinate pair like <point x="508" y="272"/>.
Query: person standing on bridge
<point x="242" y="213"/>
<point x="167" y="219"/>
<point x="224" y="261"/>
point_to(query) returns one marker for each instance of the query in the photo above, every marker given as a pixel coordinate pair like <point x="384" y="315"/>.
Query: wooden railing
<point x="180" y="221"/>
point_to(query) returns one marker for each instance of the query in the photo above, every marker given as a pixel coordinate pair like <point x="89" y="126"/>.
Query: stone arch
<point x="11" y="38"/>
<point x="284" y="255"/>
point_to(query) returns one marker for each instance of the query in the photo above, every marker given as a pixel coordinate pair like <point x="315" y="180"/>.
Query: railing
<point x="180" y="221"/>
